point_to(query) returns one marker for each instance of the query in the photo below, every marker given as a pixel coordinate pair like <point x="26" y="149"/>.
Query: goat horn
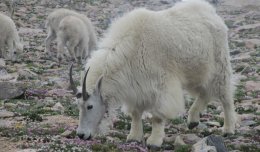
<point x="72" y="84"/>
<point x="84" y="92"/>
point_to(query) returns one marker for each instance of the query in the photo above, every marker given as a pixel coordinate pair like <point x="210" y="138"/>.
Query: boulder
<point x="211" y="143"/>
<point x="10" y="90"/>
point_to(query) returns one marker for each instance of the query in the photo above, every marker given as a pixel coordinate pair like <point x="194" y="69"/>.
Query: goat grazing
<point x="56" y="24"/>
<point x="146" y="60"/>
<point x="9" y="37"/>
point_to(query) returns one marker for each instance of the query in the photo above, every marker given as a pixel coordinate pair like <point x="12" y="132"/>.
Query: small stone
<point x="67" y="134"/>
<point x="170" y="138"/>
<point x="257" y="128"/>
<point x="202" y="126"/>
<point x="247" y="123"/>
<point x="58" y="107"/>
<point x="3" y="71"/>
<point x="5" y="123"/>
<point x="235" y="52"/>
<point x="49" y="102"/>
<point x="245" y="130"/>
<point x="190" y="138"/>
<point x="110" y="139"/>
<point x="6" y="77"/>
<point x="9" y="105"/>
<point x="2" y="63"/>
<point x="252" y="86"/>
<point x="26" y="74"/>
<point x="6" y="114"/>
<point x="179" y="141"/>
<point x="20" y="104"/>
<point x="213" y="123"/>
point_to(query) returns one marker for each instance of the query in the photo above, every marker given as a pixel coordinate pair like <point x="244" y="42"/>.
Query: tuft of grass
<point x="241" y="110"/>
<point x="177" y="121"/>
<point x="34" y="116"/>
<point x="104" y="147"/>
<point x="240" y="93"/>
<point x="249" y="148"/>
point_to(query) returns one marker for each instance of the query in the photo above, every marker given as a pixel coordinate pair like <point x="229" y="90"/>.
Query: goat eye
<point x="90" y="107"/>
<point x="78" y="95"/>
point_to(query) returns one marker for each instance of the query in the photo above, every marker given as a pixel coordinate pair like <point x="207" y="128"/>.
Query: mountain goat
<point x="146" y="60"/>
<point x="53" y="25"/>
<point x="72" y="30"/>
<point x="9" y="37"/>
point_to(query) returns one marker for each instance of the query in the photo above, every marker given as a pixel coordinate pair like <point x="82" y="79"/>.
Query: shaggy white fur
<point x="53" y="25"/>
<point x="9" y="38"/>
<point x="147" y="58"/>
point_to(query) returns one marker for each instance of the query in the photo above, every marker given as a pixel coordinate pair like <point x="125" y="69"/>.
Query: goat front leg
<point x="60" y="51"/>
<point x="156" y="138"/>
<point x="136" y="131"/>
<point x="11" y="51"/>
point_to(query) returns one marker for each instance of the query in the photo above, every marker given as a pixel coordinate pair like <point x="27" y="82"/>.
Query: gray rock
<point x="179" y="141"/>
<point x="2" y="63"/>
<point x="211" y="143"/>
<point x="190" y="138"/>
<point x="213" y="123"/>
<point x="66" y="133"/>
<point x="58" y="107"/>
<point x="235" y="52"/>
<point x="9" y="105"/>
<point x="252" y="86"/>
<point x="3" y="71"/>
<point x="10" y="90"/>
<point x="247" y="123"/>
<point x="6" y="114"/>
<point x="25" y="105"/>
<point x="6" y="123"/>
<point x="26" y="74"/>
<point x="202" y="126"/>
<point x="257" y="128"/>
<point x="6" y="77"/>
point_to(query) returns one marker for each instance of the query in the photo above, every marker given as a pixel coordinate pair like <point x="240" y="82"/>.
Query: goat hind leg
<point x="229" y="112"/>
<point x="11" y="51"/>
<point x="199" y="105"/>
<point x="51" y="36"/>
<point x="156" y="138"/>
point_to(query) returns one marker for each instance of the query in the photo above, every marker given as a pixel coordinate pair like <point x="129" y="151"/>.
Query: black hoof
<point x="153" y="148"/>
<point x="193" y="125"/>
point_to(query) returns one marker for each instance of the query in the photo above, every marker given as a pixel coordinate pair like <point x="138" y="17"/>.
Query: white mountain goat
<point x="72" y="30"/>
<point x="11" y="6"/>
<point x="146" y="60"/>
<point x="53" y="25"/>
<point x="9" y="38"/>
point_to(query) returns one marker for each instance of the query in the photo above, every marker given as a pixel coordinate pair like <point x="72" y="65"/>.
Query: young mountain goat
<point x="9" y="37"/>
<point x="72" y="30"/>
<point x="54" y="27"/>
<point x="146" y="60"/>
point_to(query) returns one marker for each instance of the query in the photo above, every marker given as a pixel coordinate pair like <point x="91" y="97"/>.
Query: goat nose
<point x="81" y="136"/>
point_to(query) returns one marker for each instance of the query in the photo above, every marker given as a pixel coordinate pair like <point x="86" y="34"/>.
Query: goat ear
<point x="98" y="85"/>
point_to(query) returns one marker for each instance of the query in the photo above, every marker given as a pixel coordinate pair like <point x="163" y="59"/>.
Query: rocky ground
<point x="43" y="114"/>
